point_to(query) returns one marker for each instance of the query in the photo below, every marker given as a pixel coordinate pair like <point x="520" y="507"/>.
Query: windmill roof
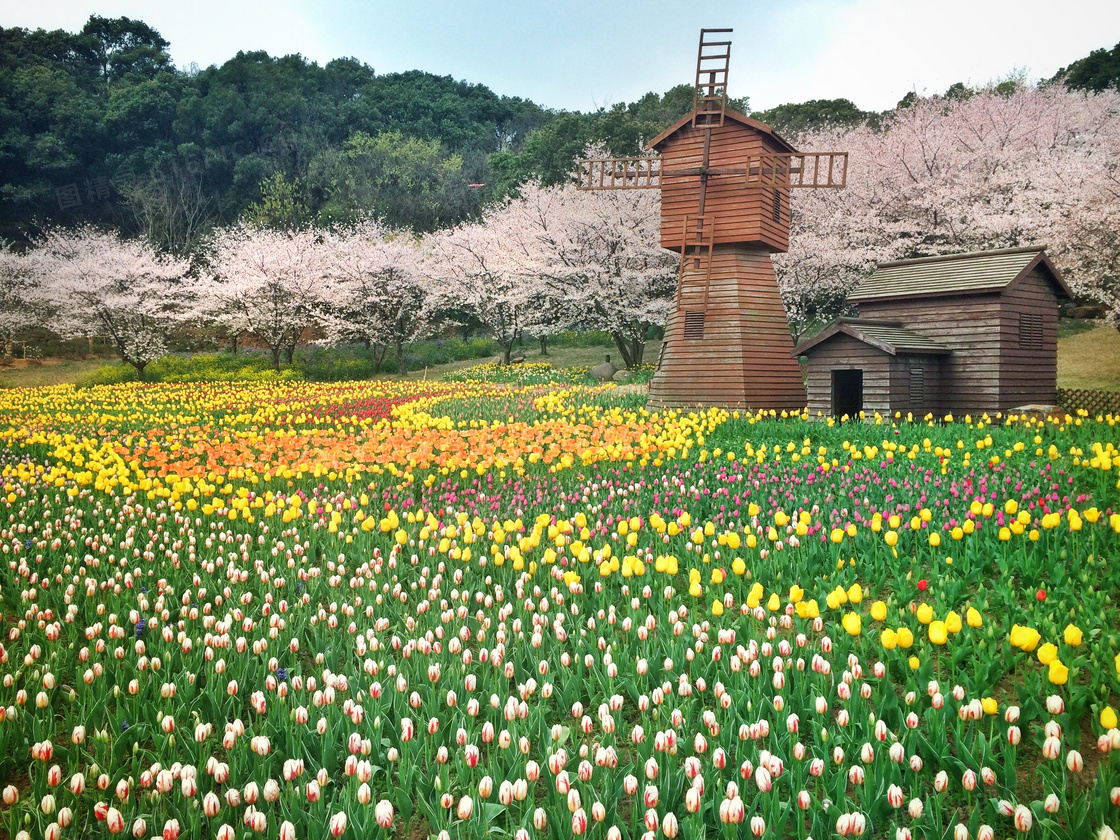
<point x="728" y="114"/>
<point x="972" y="273"/>
<point x="887" y="336"/>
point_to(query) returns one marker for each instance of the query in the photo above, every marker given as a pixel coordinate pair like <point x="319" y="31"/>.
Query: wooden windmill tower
<point x="725" y="182"/>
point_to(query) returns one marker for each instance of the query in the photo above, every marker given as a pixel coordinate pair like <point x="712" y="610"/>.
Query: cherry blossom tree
<point x="600" y="253"/>
<point x="489" y="268"/>
<point x="269" y="283"/>
<point x="991" y="170"/>
<point x="99" y="284"/>
<point x="377" y="293"/>
<point x="21" y="303"/>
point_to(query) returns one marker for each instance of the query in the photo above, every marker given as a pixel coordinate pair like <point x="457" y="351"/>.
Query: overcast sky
<point x="581" y="54"/>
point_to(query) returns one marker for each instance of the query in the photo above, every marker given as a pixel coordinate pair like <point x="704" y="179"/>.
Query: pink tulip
<point x="465" y="808"/>
<point x="894" y="796"/>
<point x="579" y="822"/>
<point x="383" y="812"/>
<point x="114" y="821"/>
<point x="337" y="825"/>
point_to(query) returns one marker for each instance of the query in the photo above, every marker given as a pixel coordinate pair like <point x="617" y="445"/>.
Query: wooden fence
<point x="1093" y="402"/>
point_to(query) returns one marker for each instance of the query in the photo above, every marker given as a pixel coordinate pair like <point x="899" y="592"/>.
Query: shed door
<point x="847" y="392"/>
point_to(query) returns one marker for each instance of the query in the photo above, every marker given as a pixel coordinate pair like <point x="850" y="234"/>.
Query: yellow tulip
<point x="879" y="611"/>
<point x="775" y="603"/>
<point x="915" y="663"/>
<point x="953" y="622"/>
<point x="1059" y="673"/>
<point x="989" y="705"/>
<point x="852" y="623"/>
<point x="1108" y="717"/>
<point x="717" y="608"/>
<point x="796" y="593"/>
<point x="888" y="638"/>
<point x="925" y="613"/>
<point x="1072" y="635"/>
<point x="938" y="633"/>
<point x="973" y="617"/>
<point x="905" y="637"/>
<point x="1025" y="638"/>
<point x="1047" y="653"/>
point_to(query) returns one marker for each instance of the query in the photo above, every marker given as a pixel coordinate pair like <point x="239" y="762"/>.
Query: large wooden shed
<point x="973" y="332"/>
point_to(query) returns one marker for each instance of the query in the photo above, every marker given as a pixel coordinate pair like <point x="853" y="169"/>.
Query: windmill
<point x="725" y="181"/>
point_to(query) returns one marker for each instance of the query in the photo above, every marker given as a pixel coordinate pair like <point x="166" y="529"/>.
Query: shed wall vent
<point x="917" y="386"/>
<point x="1030" y="331"/>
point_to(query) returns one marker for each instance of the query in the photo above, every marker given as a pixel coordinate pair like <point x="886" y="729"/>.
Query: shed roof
<point x="887" y="336"/>
<point x="728" y="114"/>
<point x="955" y="274"/>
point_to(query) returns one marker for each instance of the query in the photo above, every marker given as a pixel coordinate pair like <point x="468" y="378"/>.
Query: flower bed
<point x="355" y="609"/>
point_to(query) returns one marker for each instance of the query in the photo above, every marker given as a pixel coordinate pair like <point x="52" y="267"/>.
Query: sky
<point x="583" y="54"/>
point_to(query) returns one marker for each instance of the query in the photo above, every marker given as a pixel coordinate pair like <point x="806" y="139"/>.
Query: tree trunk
<point x="623" y="349"/>
<point x="276" y="358"/>
<point x="507" y="349"/>
<point x="544" y="345"/>
<point x="637" y="351"/>
<point x="139" y="369"/>
<point x="9" y="346"/>
<point x="377" y="353"/>
<point x="402" y="365"/>
<point x="89" y="338"/>
<point x="233" y="341"/>
<point x="289" y="353"/>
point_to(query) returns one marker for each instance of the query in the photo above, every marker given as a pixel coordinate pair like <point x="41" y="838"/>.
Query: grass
<point x="48" y="372"/>
<point x="1090" y="359"/>
<point x="558" y="357"/>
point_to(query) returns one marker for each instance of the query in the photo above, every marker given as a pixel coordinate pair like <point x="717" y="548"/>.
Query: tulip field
<point x="536" y="609"/>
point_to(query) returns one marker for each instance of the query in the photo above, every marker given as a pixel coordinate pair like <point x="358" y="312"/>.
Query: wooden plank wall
<point x="744" y="359"/>
<point x="743" y="213"/>
<point x="842" y="352"/>
<point x="900" y="385"/>
<point x="970" y="326"/>
<point x="1029" y="377"/>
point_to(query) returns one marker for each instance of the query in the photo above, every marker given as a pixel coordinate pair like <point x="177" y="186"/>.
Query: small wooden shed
<point x="973" y="332"/>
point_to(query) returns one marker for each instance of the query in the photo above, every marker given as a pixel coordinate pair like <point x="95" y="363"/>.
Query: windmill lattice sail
<point x="713" y="60"/>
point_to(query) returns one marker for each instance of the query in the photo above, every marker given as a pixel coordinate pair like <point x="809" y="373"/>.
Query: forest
<point x="100" y="127"/>
<point x="401" y="189"/>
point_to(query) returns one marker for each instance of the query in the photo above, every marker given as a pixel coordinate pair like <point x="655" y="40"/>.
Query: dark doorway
<point x="847" y="392"/>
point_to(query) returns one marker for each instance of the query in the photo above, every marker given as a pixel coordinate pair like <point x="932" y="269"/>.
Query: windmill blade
<point x="799" y="170"/>
<point x="709" y="98"/>
<point x="636" y="173"/>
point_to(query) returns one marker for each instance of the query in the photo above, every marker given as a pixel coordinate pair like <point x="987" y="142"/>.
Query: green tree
<point x="405" y="182"/>
<point x="794" y="119"/>
<point x="1097" y="71"/>
<point x="283" y="204"/>
<point x="122" y="46"/>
